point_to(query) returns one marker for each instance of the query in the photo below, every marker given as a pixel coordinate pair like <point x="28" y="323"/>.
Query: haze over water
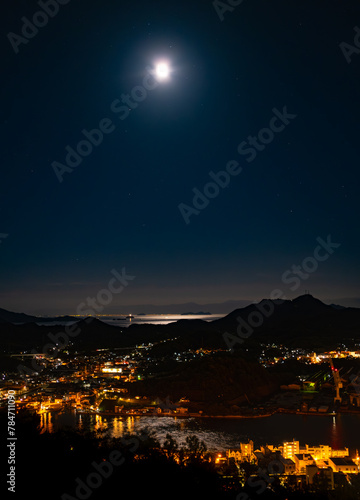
<point x="156" y="319"/>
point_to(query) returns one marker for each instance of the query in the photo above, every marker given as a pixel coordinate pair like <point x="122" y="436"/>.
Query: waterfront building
<point x="345" y="465"/>
<point x="246" y="450"/>
<point x="243" y="454"/>
<point x="235" y="454"/>
<point x="302" y="460"/>
<point x="290" y="449"/>
<point x="324" y="452"/>
<point x="320" y="452"/>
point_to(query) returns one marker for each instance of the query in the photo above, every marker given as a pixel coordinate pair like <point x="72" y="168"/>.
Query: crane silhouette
<point x="337" y="381"/>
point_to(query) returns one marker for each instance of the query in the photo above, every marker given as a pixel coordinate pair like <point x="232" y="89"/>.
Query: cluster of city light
<point x="320" y="358"/>
<point x="112" y="370"/>
<point x="298" y="457"/>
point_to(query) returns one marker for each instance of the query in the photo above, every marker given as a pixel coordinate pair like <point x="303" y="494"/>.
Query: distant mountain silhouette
<point x="303" y="322"/>
<point x="336" y="306"/>
<point x="14" y="317"/>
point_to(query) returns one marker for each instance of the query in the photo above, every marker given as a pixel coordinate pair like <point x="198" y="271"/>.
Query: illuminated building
<point x="112" y="370"/>
<point x="243" y="454"/>
<point x="320" y="452"/>
<point x="302" y="460"/>
<point x="345" y="465"/>
<point x="290" y="449"/>
<point x="324" y="452"/>
<point x="305" y="460"/>
<point x="246" y="450"/>
<point x="235" y="454"/>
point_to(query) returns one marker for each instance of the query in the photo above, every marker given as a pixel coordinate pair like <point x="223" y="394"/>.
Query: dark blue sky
<point x="120" y="206"/>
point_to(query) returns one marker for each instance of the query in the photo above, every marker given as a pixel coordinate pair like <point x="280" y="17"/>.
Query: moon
<point x="162" y="71"/>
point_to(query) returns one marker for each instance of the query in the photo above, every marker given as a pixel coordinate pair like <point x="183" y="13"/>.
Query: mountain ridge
<point x="304" y="322"/>
<point x="147" y="309"/>
<point x="15" y="317"/>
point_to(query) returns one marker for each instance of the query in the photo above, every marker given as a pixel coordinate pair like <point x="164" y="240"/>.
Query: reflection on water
<point x="100" y="424"/>
<point x="160" y="426"/>
<point x="222" y="434"/>
<point x="46" y="422"/>
<point x="118" y="427"/>
<point x="178" y="428"/>
<point x="336" y="440"/>
<point x="158" y="319"/>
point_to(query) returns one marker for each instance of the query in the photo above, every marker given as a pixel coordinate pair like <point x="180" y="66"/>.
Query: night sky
<point x="233" y="70"/>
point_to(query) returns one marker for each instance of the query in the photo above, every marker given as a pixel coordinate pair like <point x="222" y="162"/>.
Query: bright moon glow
<point x="162" y="71"/>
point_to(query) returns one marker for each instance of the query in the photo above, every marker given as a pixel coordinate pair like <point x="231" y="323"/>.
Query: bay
<point x="220" y="434"/>
<point x="152" y="319"/>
